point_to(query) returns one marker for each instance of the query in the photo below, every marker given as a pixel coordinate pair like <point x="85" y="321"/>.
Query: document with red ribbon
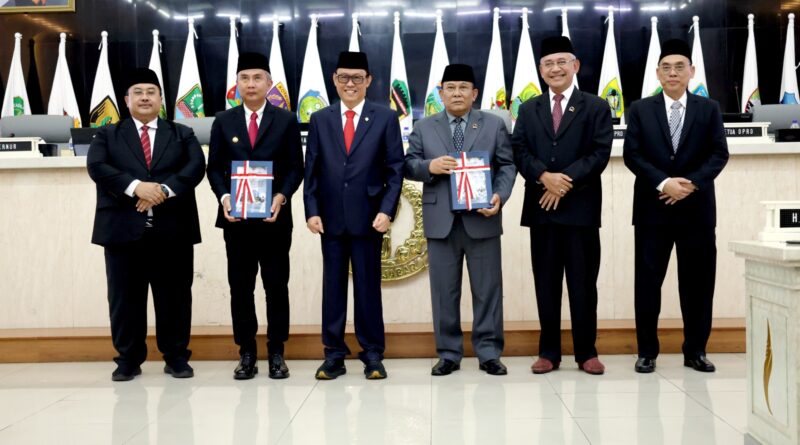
<point x="251" y="189"/>
<point x="471" y="181"/>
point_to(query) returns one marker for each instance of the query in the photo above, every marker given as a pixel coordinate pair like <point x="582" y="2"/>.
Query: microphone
<point x="738" y="100"/>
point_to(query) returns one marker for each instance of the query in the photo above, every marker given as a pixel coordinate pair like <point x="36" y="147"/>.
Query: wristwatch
<point x="165" y="190"/>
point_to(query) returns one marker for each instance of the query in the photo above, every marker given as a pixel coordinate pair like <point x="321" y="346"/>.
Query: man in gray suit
<point x="474" y="234"/>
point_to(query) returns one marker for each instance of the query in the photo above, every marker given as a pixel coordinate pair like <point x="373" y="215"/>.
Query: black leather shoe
<point x="125" y="373"/>
<point x="445" y="367"/>
<point x="493" y="367"/>
<point x="330" y="369"/>
<point x="277" y="367"/>
<point x="699" y="363"/>
<point x="179" y="369"/>
<point x="374" y="370"/>
<point x="247" y="368"/>
<point x="645" y="365"/>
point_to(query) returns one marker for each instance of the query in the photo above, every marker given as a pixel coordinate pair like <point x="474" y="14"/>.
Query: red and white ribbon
<point x="464" y="186"/>
<point x="244" y="192"/>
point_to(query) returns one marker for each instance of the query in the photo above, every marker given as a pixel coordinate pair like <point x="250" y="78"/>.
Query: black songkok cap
<point x="458" y="72"/>
<point x="555" y="45"/>
<point x="142" y="75"/>
<point x="675" y="46"/>
<point x="252" y="61"/>
<point x="353" y="60"/>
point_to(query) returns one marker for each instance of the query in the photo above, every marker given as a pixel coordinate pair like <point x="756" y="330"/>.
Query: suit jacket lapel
<point x="163" y="136"/>
<point x="544" y="113"/>
<point x="337" y="128"/>
<point x="367" y="116"/>
<point x="570" y="110"/>
<point x="688" y="119"/>
<point x="241" y="129"/>
<point x="133" y="140"/>
<point x="661" y="117"/>
<point x="266" y="119"/>
<point x="474" y="127"/>
<point x="443" y="129"/>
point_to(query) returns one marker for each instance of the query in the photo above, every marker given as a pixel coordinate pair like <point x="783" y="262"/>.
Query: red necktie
<point x="148" y="153"/>
<point x="252" y="130"/>
<point x="349" y="129"/>
<point x="558" y="113"/>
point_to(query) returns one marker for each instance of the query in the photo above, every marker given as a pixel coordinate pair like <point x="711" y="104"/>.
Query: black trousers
<point x="696" y="251"/>
<point x="167" y="268"/>
<point x="364" y="253"/>
<point x="249" y="245"/>
<point x="557" y="250"/>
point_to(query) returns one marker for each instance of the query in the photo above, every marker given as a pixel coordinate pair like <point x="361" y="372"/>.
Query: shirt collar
<point x="153" y="124"/>
<point x="567" y="94"/>
<point x="358" y="108"/>
<point x="451" y="118"/>
<point x="259" y="112"/>
<point x="669" y="101"/>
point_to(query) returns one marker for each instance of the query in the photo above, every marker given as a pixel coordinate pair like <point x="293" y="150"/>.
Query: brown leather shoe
<point x="592" y="366"/>
<point x="543" y="366"/>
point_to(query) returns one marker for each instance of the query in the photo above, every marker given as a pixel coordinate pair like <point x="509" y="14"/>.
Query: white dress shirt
<point x="152" y="126"/>
<point x="567" y="94"/>
<point x="358" y="109"/>
<point x="668" y="101"/>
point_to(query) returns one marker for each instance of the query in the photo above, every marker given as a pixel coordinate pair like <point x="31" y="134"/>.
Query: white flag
<point x="399" y="95"/>
<point x="354" y="35"/>
<point x="189" y="102"/>
<point x="439" y="61"/>
<point x="610" y="88"/>
<point x="698" y="84"/>
<point x="278" y="95"/>
<point x="651" y="86"/>
<point x="750" y="94"/>
<point x="103" y="107"/>
<point x="313" y="96"/>
<point x="565" y="33"/>
<point x="232" y="96"/>
<point x="62" y="97"/>
<point x="789" y="94"/>
<point x="494" y="88"/>
<point x="15" y="101"/>
<point x="155" y="65"/>
<point x="526" y="78"/>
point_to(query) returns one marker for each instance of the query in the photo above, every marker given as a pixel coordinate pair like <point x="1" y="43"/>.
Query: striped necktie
<point x="458" y="134"/>
<point x="675" y="125"/>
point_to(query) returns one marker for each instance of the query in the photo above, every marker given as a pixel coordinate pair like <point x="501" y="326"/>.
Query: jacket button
<point x="555" y="143"/>
<point x="345" y="184"/>
<point x="552" y="159"/>
<point x="672" y="158"/>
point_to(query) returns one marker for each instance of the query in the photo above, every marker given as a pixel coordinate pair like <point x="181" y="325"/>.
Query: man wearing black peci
<point x="146" y="170"/>
<point x="675" y="145"/>
<point x="257" y="131"/>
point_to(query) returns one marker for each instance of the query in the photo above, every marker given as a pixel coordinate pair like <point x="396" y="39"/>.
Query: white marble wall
<point x="52" y="276"/>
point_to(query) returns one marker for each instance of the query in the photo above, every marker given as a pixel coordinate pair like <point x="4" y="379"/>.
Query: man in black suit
<point x="146" y="170"/>
<point x="562" y="142"/>
<point x="257" y="131"/>
<point x="675" y="145"/>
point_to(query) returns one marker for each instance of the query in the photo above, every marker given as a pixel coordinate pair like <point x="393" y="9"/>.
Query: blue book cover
<point x="471" y="181"/>
<point x="251" y="189"/>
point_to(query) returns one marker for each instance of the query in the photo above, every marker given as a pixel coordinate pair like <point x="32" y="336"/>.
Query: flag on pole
<point x="698" y="84"/>
<point x="526" y="78"/>
<point x="155" y="65"/>
<point x="62" y="97"/>
<point x="610" y="88"/>
<point x="15" y="101"/>
<point x="433" y="102"/>
<point x="354" y="35"/>
<point x="103" y="107"/>
<point x="232" y="96"/>
<point x="190" y="93"/>
<point x="313" y="96"/>
<point x="278" y="95"/>
<point x="750" y="94"/>
<point x="565" y="33"/>
<point x="651" y="86"/>
<point x="399" y="95"/>
<point x="494" y="88"/>
<point x="789" y="94"/>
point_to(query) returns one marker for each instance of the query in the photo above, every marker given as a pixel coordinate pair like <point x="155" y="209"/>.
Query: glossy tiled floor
<point x="76" y="403"/>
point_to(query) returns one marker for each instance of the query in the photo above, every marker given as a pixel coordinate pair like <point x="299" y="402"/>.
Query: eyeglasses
<point x="452" y="89"/>
<point x="345" y="78"/>
<point x="667" y="68"/>
<point x="561" y="63"/>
